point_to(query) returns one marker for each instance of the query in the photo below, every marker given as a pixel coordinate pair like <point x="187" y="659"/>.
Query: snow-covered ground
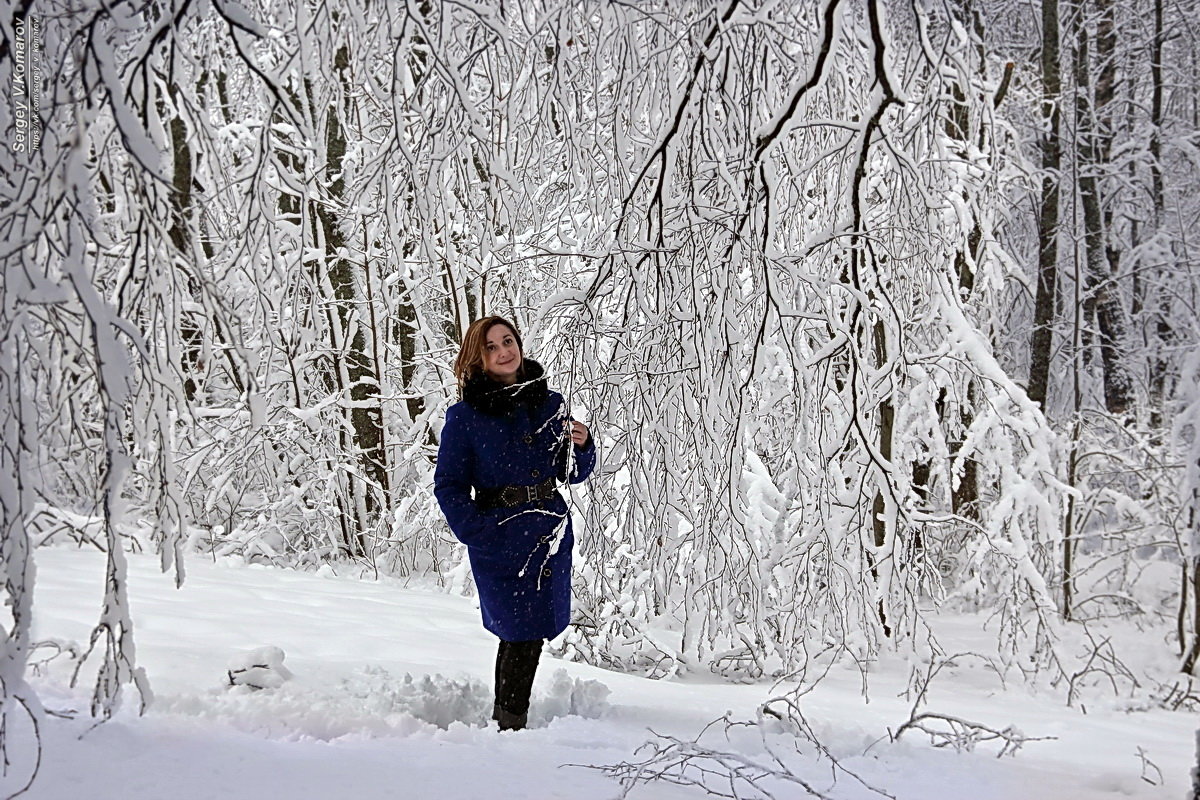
<point x="391" y="688"/>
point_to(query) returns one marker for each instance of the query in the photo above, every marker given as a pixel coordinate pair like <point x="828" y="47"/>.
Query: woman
<point x="511" y="441"/>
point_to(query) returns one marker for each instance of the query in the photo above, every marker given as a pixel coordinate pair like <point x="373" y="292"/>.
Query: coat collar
<point x="496" y="399"/>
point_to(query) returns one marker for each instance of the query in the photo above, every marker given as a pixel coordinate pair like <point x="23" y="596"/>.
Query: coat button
<point x="535" y="473"/>
<point x="528" y="439"/>
<point x="546" y="572"/>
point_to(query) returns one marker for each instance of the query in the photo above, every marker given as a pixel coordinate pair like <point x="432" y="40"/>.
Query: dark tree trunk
<point x="1193" y="651"/>
<point x="366" y="412"/>
<point x="191" y="331"/>
<point x="1046" y="299"/>
<point x="964" y="499"/>
<point x="964" y="496"/>
<point x="1094" y="141"/>
<point x="859" y="260"/>
<point x="1159" y="365"/>
<point x="406" y="336"/>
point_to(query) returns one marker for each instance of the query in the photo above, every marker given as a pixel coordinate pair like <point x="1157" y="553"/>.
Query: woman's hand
<point x="579" y="433"/>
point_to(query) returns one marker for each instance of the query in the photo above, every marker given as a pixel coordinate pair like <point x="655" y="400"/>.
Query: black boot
<point x="509" y="722"/>
<point x="501" y="653"/>
<point x="516" y="664"/>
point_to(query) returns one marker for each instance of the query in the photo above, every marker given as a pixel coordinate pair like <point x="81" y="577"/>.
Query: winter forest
<point x="884" y="314"/>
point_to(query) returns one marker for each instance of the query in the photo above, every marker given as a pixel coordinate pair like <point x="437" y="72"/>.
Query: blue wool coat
<point x="524" y="590"/>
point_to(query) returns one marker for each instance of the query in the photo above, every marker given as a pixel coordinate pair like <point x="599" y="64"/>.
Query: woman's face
<point x="501" y="354"/>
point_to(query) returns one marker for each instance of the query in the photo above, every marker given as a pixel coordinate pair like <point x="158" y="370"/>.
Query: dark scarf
<point x="496" y="399"/>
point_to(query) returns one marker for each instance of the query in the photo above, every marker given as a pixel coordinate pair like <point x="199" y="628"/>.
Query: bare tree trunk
<point x="1191" y="586"/>
<point x="1093" y="121"/>
<point x="862" y="258"/>
<point x="190" y="329"/>
<point x="1159" y="364"/>
<point x="366" y="412"/>
<point x="1046" y="299"/>
<point x="965" y="495"/>
<point x="1193" y="652"/>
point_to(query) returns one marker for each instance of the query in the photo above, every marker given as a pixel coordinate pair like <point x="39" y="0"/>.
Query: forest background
<point x="875" y="308"/>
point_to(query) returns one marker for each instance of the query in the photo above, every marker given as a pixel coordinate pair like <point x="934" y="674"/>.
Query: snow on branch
<point x="964" y="735"/>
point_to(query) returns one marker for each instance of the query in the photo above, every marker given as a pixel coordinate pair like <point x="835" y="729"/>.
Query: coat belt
<point x="509" y="496"/>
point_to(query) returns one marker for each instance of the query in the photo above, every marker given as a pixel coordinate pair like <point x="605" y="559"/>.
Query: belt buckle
<point x="530" y="494"/>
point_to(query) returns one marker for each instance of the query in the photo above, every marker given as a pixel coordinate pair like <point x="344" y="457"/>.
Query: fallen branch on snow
<point x="964" y="735"/>
<point x="722" y="773"/>
<point x="719" y="773"/>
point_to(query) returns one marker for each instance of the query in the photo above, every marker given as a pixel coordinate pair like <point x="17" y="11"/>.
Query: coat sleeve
<point x="452" y="480"/>
<point x="585" y="459"/>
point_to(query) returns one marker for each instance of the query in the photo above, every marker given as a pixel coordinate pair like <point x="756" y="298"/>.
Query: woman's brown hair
<point x="470" y="356"/>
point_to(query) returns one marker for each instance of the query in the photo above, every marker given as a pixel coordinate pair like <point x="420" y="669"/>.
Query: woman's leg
<point x="516" y="665"/>
<point x="500" y="653"/>
<point x="523" y="658"/>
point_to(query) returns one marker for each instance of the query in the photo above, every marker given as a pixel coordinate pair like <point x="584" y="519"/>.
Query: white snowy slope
<point x="382" y="691"/>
